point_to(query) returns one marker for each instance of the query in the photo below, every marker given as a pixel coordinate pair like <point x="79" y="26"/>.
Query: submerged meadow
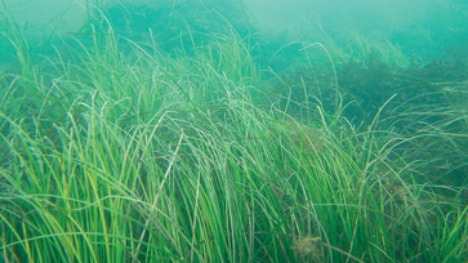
<point x="204" y="148"/>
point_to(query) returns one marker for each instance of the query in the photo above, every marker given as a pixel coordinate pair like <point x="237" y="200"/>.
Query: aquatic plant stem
<point x="153" y="206"/>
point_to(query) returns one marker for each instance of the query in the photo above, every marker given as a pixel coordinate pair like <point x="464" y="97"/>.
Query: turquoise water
<point x="403" y="34"/>
<point x="419" y="29"/>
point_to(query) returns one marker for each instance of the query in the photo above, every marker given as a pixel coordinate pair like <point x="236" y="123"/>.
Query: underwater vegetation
<point x="118" y="150"/>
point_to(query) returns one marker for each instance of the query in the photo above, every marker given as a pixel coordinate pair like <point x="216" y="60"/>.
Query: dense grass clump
<point x="142" y="156"/>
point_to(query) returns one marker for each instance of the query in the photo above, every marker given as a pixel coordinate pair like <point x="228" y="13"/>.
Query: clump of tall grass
<point x="146" y="157"/>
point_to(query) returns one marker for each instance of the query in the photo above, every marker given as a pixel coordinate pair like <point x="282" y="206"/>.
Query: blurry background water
<point x="423" y="29"/>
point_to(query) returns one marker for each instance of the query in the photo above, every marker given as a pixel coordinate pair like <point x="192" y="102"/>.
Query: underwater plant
<point x="119" y="151"/>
